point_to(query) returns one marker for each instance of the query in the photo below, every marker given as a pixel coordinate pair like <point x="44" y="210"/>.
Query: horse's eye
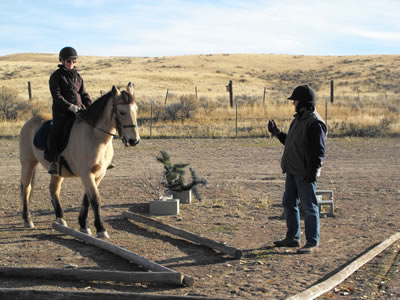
<point x="121" y="113"/>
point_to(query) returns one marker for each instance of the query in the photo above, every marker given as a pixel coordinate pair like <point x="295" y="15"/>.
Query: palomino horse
<point x="88" y="153"/>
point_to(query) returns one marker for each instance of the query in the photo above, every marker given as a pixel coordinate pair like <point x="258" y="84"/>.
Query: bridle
<point x="119" y="126"/>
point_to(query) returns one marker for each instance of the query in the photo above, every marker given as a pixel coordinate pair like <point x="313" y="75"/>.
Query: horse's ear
<point x="130" y="88"/>
<point x="115" y="91"/>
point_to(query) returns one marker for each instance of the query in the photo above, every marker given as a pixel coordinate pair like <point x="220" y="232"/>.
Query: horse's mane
<point x="94" y="112"/>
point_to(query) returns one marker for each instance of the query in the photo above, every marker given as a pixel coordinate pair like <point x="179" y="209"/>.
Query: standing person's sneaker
<point x="308" y="248"/>
<point x="287" y="243"/>
<point x="53" y="168"/>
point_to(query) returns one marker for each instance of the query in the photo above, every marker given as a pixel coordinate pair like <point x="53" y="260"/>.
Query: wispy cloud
<point x="177" y="27"/>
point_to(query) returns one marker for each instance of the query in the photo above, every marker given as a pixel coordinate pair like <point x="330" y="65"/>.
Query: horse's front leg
<point x="92" y="196"/>
<point x="83" y="216"/>
<point x="55" y="187"/>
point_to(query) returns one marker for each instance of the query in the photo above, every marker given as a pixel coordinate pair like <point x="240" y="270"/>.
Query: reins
<point x="109" y="133"/>
<point x="118" y="123"/>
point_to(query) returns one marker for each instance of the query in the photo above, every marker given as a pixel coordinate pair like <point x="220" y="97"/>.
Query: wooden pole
<point x="130" y="256"/>
<point x="151" y="118"/>
<point x="92" y="275"/>
<point x="265" y="91"/>
<point x="325" y="286"/>
<point x="166" y="97"/>
<point x="33" y="294"/>
<point x="184" y="234"/>
<point x="236" y="119"/>
<point x="326" y="111"/>
<point x="230" y="93"/>
<point x="195" y="90"/>
<point x="332" y="91"/>
<point x="29" y="90"/>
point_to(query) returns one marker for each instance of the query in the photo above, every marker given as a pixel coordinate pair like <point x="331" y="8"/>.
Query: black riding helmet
<point x="304" y="94"/>
<point x="67" y="52"/>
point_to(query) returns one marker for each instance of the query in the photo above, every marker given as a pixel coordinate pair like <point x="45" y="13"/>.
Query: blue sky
<point x="180" y="27"/>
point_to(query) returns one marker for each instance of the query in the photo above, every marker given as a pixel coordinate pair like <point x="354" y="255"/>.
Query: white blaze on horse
<point x="88" y="153"/>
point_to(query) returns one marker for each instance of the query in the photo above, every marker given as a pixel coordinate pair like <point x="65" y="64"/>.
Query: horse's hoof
<point x="86" y="230"/>
<point x="62" y="222"/>
<point x="103" y="235"/>
<point x="29" y="225"/>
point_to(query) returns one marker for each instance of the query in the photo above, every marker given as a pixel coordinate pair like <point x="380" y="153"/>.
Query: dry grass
<point x="367" y="94"/>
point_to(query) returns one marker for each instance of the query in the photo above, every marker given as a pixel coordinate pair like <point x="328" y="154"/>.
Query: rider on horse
<point x="69" y="97"/>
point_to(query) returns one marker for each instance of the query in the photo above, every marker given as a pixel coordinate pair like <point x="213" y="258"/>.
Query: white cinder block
<point x="164" y="207"/>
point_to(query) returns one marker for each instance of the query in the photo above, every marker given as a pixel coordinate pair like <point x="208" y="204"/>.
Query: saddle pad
<point x="40" y="139"/>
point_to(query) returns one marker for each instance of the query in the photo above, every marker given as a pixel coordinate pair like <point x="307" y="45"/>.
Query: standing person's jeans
<point x="296" y="190"/>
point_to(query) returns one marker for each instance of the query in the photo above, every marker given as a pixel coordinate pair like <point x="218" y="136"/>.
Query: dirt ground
<point x="240" y="206"/>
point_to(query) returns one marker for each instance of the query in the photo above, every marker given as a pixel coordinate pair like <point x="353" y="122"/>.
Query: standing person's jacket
<point x="66" y="87"/>
<point x="304" y="144"/>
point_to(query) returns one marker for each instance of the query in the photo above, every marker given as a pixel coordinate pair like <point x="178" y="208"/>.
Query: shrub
<point x="11" y="108"/>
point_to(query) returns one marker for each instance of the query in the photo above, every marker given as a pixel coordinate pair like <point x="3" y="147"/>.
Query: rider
<point x="69" y="97"/>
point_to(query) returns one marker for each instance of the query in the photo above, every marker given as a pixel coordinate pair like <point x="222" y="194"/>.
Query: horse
<point x="88" y="153"/>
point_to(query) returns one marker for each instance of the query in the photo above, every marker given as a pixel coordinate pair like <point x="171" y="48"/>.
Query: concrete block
<point x="326" y="202"/>
<point x="164" y="207"/>
<point x="184" y="197"/>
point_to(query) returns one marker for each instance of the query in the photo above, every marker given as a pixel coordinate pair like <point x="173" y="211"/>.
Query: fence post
<point x="236" y="119"/>
<point x="195" y="90"/>
<point x="29" y="90"/>
<point x="326" y="111"/>
<point x="332" y="91"/>
<point x="166" y="98"/>
<point x="230" y="90"/>
<point x="151" y="118"/>
<point x="265" y="91"/>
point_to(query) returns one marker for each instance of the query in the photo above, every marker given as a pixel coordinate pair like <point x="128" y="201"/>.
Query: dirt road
<point x="241" y="206"/>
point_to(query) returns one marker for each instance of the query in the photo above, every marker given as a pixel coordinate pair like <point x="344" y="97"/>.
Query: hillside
<point x="368" y="75"/>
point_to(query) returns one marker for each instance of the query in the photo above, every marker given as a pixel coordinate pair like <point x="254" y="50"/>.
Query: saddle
<point x="41" y="140"/>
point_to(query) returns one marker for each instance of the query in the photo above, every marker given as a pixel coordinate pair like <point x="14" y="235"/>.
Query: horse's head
<point x="125" y="114"/>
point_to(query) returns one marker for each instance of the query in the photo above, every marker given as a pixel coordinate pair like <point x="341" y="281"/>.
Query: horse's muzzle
<point x="133" y="142"/>
<point x="130" y="142"/>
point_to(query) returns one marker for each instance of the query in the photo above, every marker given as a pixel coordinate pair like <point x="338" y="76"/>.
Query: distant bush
<point x="11" y="107"/>
<point x="182" y="110"/>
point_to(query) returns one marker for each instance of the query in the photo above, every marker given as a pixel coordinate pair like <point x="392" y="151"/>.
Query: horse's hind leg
<point x="27" y="180"/>
<point x="55" y="187"/>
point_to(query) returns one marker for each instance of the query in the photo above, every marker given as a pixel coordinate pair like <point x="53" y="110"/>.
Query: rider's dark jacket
<point x="67" y="87"/>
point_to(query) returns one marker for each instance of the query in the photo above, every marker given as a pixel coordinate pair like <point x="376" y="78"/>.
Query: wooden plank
<point x="130" y="256"/>
<point x="184" y="234"/>
<point x="23" y="294"/>
<point x="325" y="286"/>
<point x="92" y="275"/>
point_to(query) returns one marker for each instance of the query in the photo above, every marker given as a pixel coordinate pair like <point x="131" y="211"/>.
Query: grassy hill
<point x="367" y="81"/>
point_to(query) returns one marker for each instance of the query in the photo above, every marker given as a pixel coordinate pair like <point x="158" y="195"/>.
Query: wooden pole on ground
<point x="31" y="294"/>
<point x="92" y="275"/>
<point x="325" y="286"/>
<point x="184" y="234"/>
<point x="130" y="256"/>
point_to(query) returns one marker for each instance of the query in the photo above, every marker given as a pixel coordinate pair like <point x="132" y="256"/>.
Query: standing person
<point x="301" y="161"/>
<point x="69" y="97"/>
